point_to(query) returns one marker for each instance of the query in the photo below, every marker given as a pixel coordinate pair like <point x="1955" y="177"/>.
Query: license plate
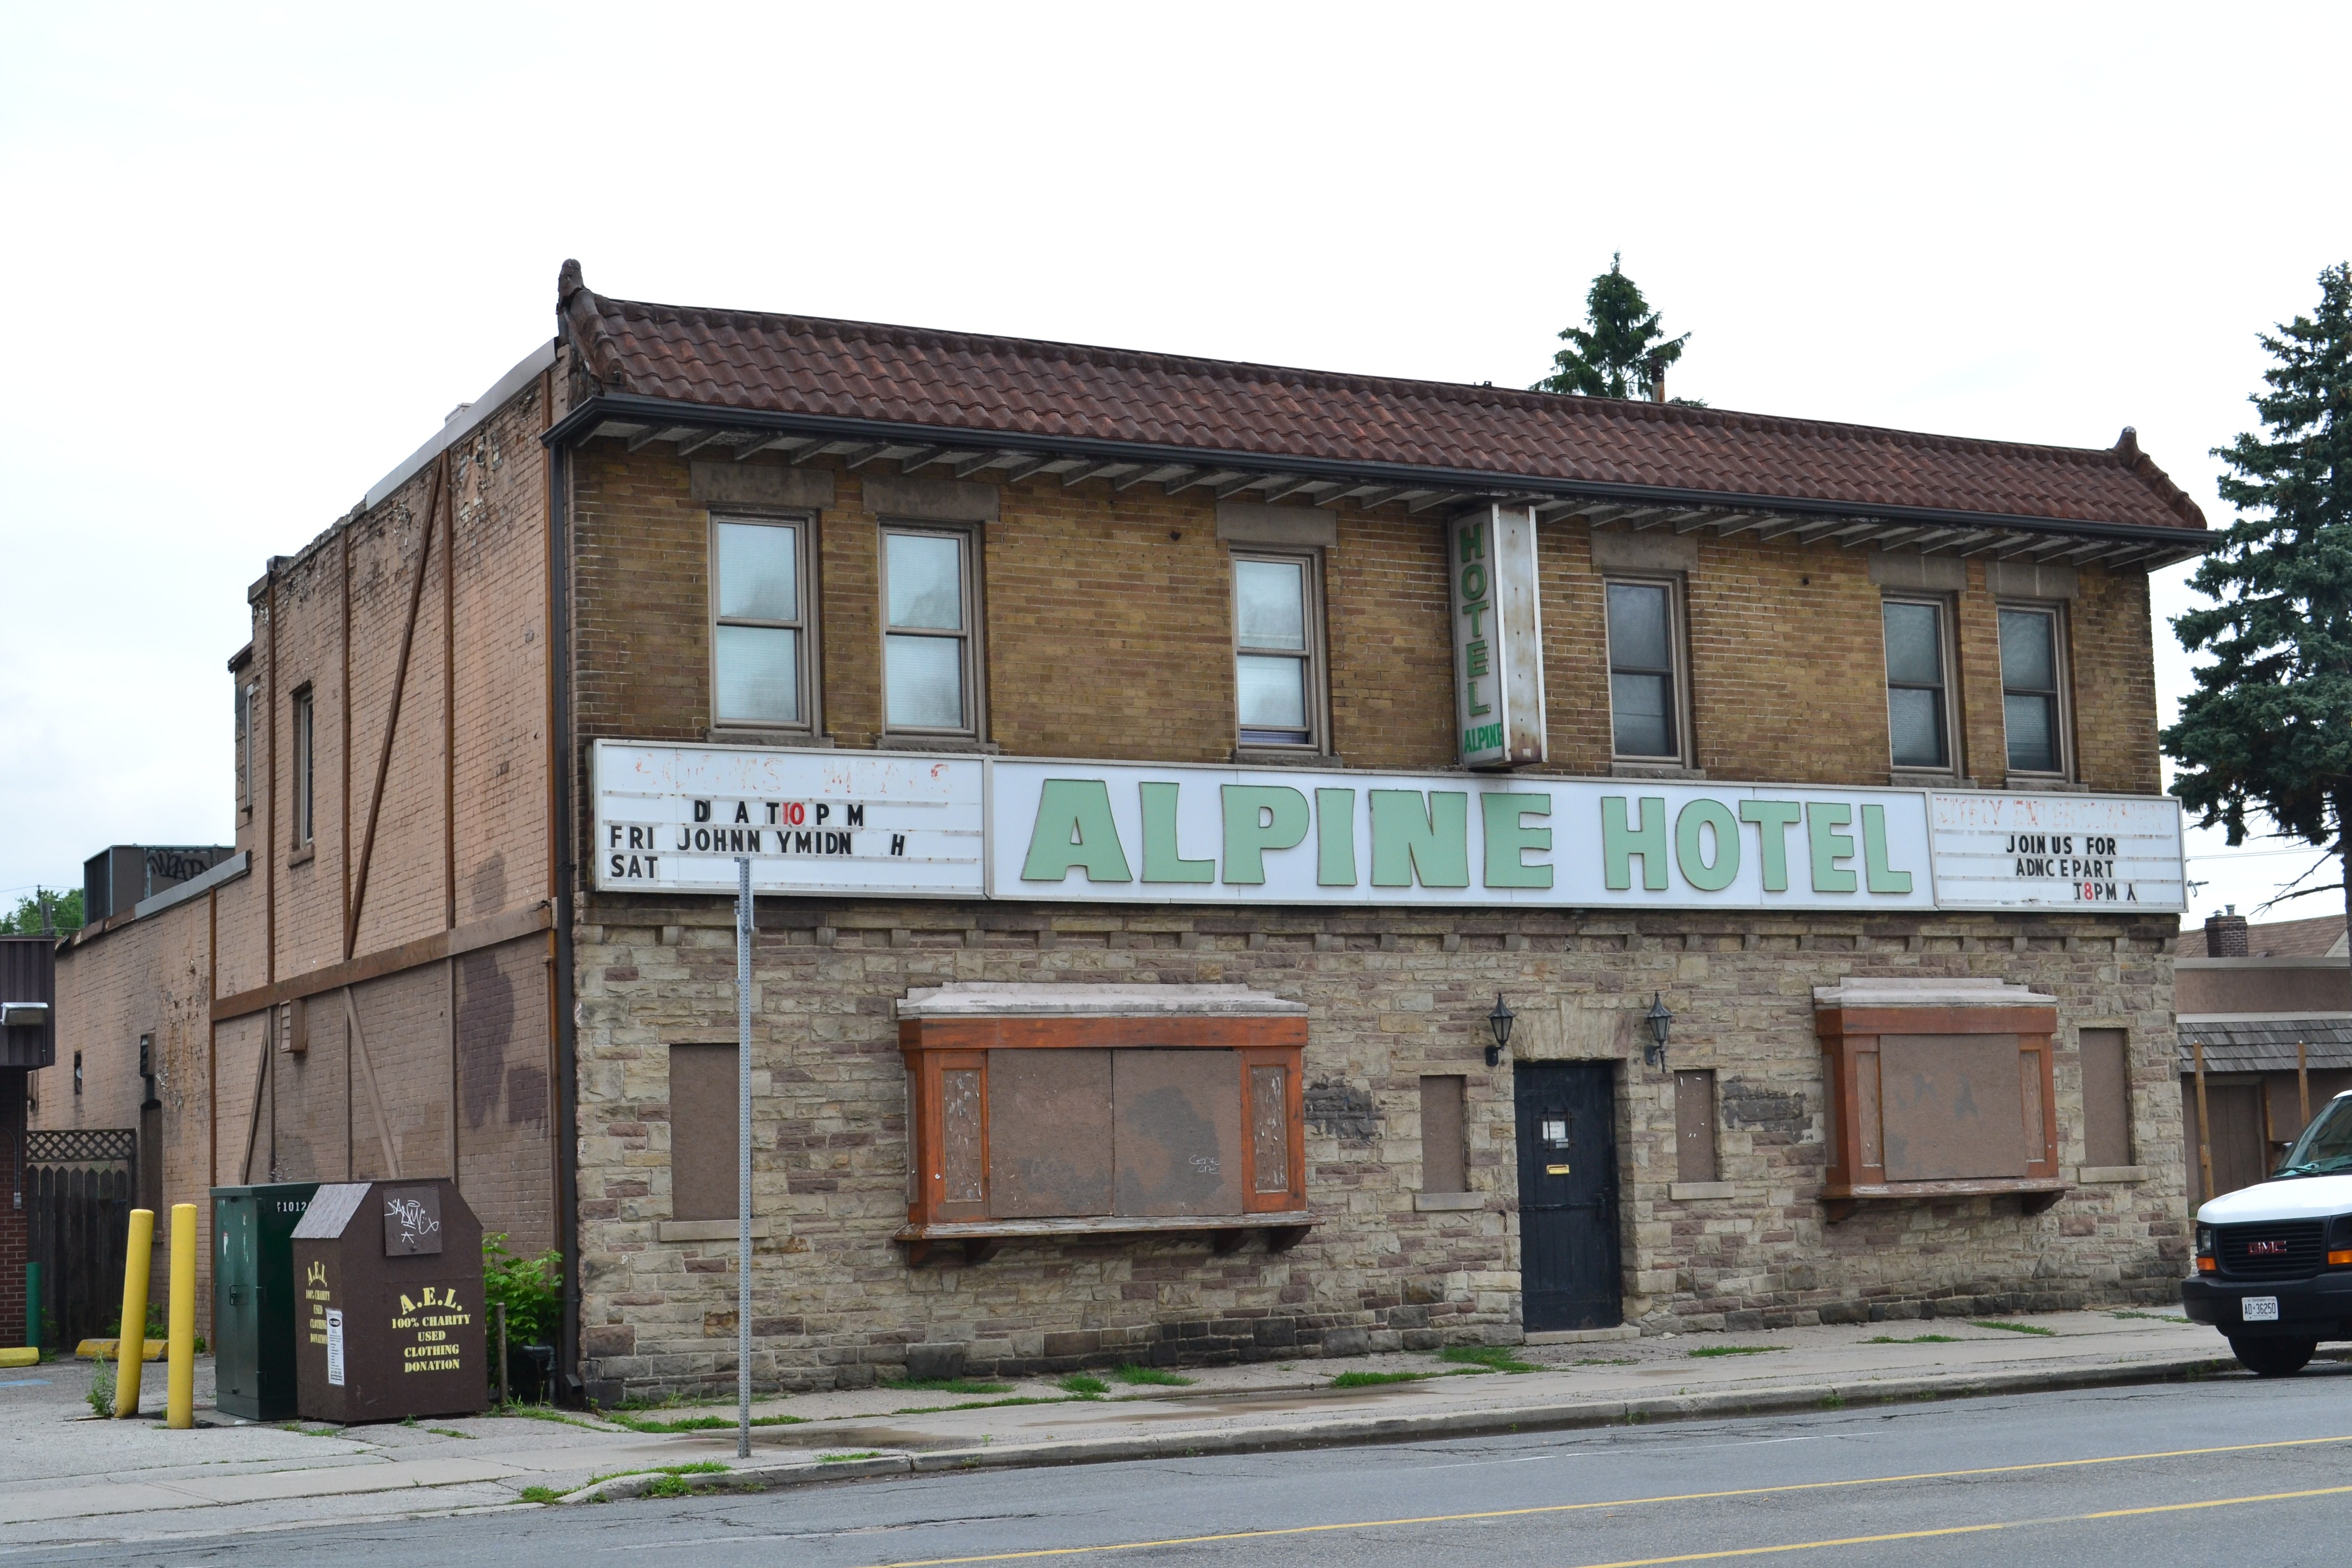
<point x="2258" y="1310"/>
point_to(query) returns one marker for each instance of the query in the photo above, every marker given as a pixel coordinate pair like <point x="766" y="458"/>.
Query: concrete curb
<point x="1788" y="1399"/>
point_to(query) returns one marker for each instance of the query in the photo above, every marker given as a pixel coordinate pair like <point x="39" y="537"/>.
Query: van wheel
<point x="2273" y="1358"/>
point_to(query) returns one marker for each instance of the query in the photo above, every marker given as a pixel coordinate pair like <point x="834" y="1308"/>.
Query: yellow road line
<point x="1712" y="1497"/>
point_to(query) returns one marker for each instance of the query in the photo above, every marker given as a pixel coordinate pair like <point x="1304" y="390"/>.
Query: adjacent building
<point x="1248" y="862"/>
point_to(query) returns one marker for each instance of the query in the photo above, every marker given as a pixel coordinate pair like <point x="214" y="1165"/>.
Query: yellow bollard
<point x="130" y="1351"/>
<point x="179" y="1399"/>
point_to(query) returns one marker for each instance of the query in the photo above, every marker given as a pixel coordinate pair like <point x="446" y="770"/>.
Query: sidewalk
<point x="67" y="1477"/>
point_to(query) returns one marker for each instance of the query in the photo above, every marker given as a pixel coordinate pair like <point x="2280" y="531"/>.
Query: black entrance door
<point x="1567" y="1195"/>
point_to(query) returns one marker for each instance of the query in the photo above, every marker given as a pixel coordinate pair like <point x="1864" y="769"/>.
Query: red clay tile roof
<point x="1010" y="388"/>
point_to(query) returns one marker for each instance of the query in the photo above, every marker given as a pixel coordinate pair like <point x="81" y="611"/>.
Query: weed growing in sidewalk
<point x="699" y="1422"/>
<point x="1133" y="1373"/>
<point x="1915" y="1340"/>
<point x="101" y="1388"/>
<point x="1610" y="1360"/>
<point x="1494" y="1358"/>
<point x="542" y="1413"/>
<point x="1375" y="1379"/>
<point x="1705" y="1351"/>
<point x="947" y="1385"/>
<point x="1083" y="1385"/>
<point x="2013" y="1328"/>
<point x="537" y="1494"/>
<point x="449" y="1432"/>
<point x="845" y="1458"/>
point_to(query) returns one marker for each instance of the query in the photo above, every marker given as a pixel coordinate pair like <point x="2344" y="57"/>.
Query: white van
<point x="2274" y="1267"/>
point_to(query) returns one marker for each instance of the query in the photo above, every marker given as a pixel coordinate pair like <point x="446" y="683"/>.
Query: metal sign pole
<point x="743" y="1158"/>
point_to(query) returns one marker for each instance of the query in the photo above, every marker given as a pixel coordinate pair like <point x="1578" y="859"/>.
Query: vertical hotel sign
<point x="1498" y="696"/>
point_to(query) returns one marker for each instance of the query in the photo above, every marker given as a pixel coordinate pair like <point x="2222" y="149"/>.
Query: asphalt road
<point x="2232" y="1472"/>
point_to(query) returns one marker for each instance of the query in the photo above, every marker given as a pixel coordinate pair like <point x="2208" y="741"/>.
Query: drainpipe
<point x="567" y="1054"/>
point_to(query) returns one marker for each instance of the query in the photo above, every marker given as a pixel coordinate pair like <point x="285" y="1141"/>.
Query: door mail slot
<point x="389" y="1276"/>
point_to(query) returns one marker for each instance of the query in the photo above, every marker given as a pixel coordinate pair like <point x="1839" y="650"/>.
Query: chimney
<point x="2225" y="934"/>
<point x="1657" y="380"/>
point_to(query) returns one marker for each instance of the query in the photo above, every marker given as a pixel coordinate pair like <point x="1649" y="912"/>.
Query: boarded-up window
<point x="1695" y="1127"/>
<point x="1445" y="1151"/>
<point x="2107" y="1098"/>
<point x="1953" y="1107"/>
<point x="703" y="1114"/>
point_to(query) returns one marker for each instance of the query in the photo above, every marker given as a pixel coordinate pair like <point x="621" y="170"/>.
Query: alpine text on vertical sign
<point x="1499" y="692"/>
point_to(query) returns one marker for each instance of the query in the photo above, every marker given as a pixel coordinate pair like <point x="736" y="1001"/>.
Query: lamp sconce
<point x="1660" y="1021"/>
<point x="1499" y="1023"/>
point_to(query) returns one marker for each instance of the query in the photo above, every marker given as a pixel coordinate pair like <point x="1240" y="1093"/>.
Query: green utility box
<point x="256" y="1306"/>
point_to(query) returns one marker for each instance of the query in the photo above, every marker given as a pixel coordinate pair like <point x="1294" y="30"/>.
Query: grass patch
<point x="1610" y="1360"/>
<point x="669" y="1484"/>
<point x="845" y="1458"/>
<point x="449" y="1432"/>
<point x="700" y="1423"/>
<point x="1913" y="1339"/>
<point x="1083" y="1385"/>
<point x="1137" y="1375"/>
<point x="946" y="1385"/>
<point x="1376" y="1379"/>
<point x="1707" y="1351"/>
<point x="1493" y="1358"/>
<point x="983" y="1404"/>
<point x="312" y="1431"/>
<point x="542" y="1413"/>
<point x="537" y="1494"/>
<point x="2013" y="1328"/>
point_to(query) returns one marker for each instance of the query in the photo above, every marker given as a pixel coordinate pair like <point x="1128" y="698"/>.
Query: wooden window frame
<point x="2061" y="694"/>
<point x="968" y="538"/>
<point x="1315" y="658"/>
<point x="935" y="1046"/>
<point x="1850" y="1040"/>
<point x="1954" y="767"/>
<point x="810" y="674"/>
<point x="1677" y="652"/>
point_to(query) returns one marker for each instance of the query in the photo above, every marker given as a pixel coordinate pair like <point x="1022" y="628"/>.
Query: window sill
<point x="935" y="744"/>
<point x="302" y="857"/>
<point x="797" y="740"/>
<point x="1285" y="757"/>
<point x="2097" y="1175"/>
<point x="2047" y="783"/>
<point x="708" y="1230"/>
<point x="1929" y="778"/>
<point x="1631" y="769"/>
<point x="2038" y="1191"/>
<point x="1447" y="1203"/>
<point x="980" y="1238"/>
<point x="1688" y="1192"/>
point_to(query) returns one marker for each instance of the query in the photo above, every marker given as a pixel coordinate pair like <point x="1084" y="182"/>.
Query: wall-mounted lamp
<point x="1499" y="1021"/>
<point x="1660" y="1021"/>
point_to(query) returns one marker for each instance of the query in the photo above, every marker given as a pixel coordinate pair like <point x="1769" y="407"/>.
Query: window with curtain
<point x="928" y="667"/>
<point x="1278" y="679"/>
<point x="1644" y="685"/>
<point x="2030" y="709"/>
<point x="1917" y="719"/>
<point x="759" y="655"/>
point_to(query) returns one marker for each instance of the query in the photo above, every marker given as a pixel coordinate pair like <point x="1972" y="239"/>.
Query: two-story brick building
<point x="1160" y="777"/>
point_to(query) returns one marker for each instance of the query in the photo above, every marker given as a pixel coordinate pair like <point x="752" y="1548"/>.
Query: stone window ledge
<point x="963" y="744"/>
<point x="790" y="739"/>
<point x="708" y="1230"/>
<point x="978" y="1240"/>
<point x="1659" y="770"/>
<point x="2092" y="1174"/>
<point x="1447" y="1203"/>
<point x="1687" y="1192"/>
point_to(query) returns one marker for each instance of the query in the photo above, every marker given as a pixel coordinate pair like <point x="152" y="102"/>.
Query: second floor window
<point x="2030" y="709"/>
<point x="244" y="744"/>
<point x="929" y="670"/>
<point x="1277" y="688"/>
<point x="1645" y="693"/>
<point x="1917" y="719"/>
<point x="759" y="662"/>
<point x="305" y="769"/>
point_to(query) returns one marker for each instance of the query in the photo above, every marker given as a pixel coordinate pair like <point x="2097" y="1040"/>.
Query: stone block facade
<point x="1393" y="996"/>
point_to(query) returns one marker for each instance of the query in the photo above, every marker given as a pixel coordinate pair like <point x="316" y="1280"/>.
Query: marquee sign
<point x="676" y="818"/>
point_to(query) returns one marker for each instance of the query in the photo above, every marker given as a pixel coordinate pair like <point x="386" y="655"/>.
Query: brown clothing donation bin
<point x="389" y="1275"/>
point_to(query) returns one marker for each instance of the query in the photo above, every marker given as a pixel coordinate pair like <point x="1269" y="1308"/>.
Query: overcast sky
<point x="257" y="253"/>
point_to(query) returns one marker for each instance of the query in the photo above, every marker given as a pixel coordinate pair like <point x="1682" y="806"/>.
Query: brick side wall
<point x="1393" y="995"/>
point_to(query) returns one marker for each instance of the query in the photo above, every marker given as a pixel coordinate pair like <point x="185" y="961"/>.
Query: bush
<point x="530" y="1289"/>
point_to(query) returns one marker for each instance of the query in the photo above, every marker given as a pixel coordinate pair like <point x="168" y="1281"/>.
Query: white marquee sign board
<point x="675" y="818"/>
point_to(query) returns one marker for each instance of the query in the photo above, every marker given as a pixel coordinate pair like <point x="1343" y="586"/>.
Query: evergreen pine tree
<point x="1619" y="350"/>
<point x="2269" y="728"/>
